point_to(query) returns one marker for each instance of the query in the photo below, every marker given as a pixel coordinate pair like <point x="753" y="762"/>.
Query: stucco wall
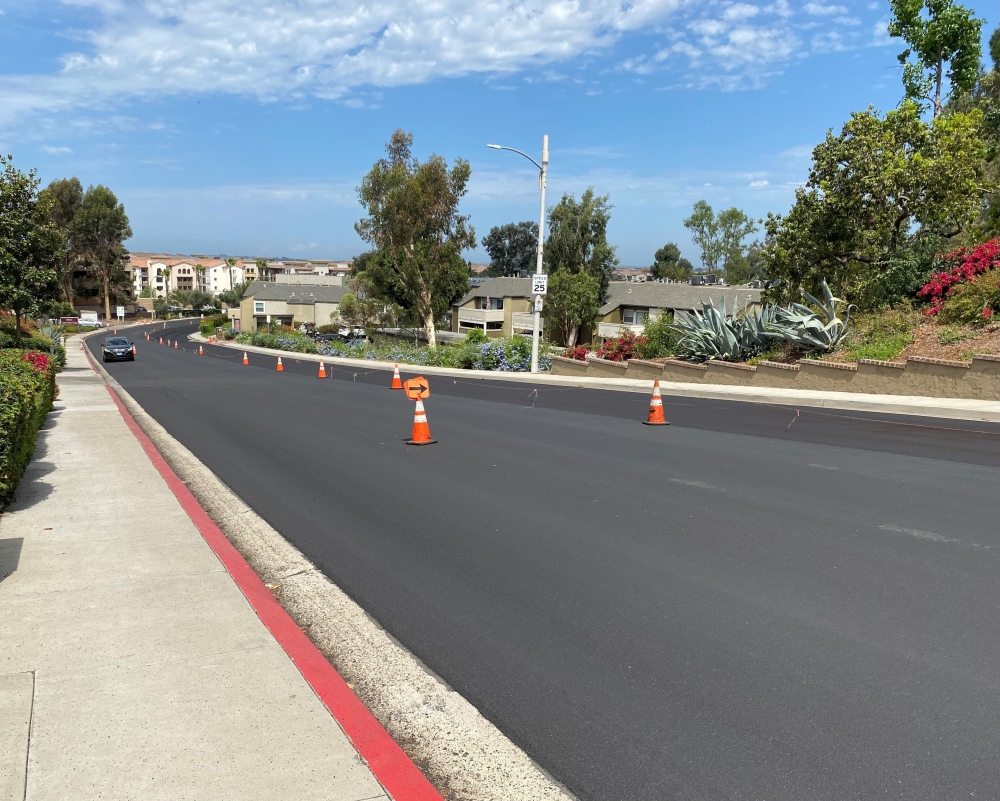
<point x="978" y="379"/>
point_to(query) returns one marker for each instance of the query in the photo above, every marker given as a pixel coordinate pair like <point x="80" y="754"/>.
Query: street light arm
<point x="513" y="150"/>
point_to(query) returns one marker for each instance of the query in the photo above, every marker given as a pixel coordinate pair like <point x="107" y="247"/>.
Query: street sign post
<point x="417" y="388"/>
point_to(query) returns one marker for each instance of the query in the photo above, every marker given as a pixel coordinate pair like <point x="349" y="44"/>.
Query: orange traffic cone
<point x="133" y="350"/>
<point x="161" y="340"/>
<point x="656" y="417"/>
<point x="175" y="344"/>
<point x="322" y="369"/>
<point x="81" y="346"/>
<point x="396" y="383"/>
<point x="245" y="359"/>
<point x="421" y="431"/>
<point x="280" y="368"/>
<point x="200" y="351"/>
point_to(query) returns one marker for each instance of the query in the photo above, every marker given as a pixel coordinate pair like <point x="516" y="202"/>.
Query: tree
<point x="262" y="273"/>
<point x="31" y="245"/>
<point x="414" y="224"/>
<point x="199" y="271"/>
<point x="572" y="302"/>
<point x="944" y="39"/>
<point x="192" y="298"/>
<point x="101" y="228"/>
<point x="668" y="263"/>
<point x="873" y="192"/>
<point x="361" y="309"/>
<point x="720" y="238"/>
<point x="513" y="248"/>
<point x="67" y="196"/>
<point x="578" y="238"/>
<point x="704" y="230"/>
<point x="232" y="297"/>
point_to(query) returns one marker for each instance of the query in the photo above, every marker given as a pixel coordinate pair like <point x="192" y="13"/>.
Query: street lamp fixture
<point x="543" y="169"/>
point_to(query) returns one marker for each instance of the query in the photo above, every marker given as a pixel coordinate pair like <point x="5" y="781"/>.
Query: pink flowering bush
<point x="967" y="265"/>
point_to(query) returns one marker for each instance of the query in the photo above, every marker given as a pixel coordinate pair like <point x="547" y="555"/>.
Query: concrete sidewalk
<point x="131" y="665"/>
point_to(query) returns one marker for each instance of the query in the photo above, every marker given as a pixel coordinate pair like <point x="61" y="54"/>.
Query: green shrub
<point x="659" y="337"/>
<point x="27" y="389"/>
<point x="975" y="301"/>
<point x="477" y="337"/>
<point x="881" y="335"/>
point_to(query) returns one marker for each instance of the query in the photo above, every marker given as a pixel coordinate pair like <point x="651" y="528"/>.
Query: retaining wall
<point x="934" y="378"/>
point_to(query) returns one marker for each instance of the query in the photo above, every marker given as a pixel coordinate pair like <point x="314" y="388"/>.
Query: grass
<point x="949" y="336"/>
<point x="882" y="334"/>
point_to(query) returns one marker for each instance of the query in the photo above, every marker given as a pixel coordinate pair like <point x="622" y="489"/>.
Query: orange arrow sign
<point x="417" y="388"/>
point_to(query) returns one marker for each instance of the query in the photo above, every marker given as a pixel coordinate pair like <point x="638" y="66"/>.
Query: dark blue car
<point x="118" y="349"/>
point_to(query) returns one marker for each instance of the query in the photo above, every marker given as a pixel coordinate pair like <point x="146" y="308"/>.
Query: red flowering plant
<point x="966" y="265"/>
<point x="38" y="361"/>
<point x="578" y="352"/>
<point x="627" y="345"/>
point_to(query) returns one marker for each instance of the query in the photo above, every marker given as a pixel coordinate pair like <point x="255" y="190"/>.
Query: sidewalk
<point x="131" y="664"/>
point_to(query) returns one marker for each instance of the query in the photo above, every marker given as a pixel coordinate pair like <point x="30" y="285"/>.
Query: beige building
<point x="267" y="302"/>
<point x="500" y="307"/>
<point x="630" y="304"/>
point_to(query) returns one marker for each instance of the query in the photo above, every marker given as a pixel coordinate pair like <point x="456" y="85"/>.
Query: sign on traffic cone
<point x="245" y="359"/>
<point x="322" y="370"/>
<point x="421" y="431"/>
<point x="656" y="417"/>
<point x="200" y="351"/>
<point x="396" y="383"/>
<point x="280" y="368"/>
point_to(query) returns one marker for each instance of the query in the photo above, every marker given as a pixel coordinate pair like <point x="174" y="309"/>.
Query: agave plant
<point x="712" y="334"/>
<point x="808" y="330"/>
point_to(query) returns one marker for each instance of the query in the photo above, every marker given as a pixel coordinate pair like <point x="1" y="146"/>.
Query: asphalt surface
<point x="746" y="604"/>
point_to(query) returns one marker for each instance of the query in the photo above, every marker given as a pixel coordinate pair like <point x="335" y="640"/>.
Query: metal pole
<point x="541" y="240"/>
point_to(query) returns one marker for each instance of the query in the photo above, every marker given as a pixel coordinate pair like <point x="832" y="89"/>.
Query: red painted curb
<point x="391" y="766"/>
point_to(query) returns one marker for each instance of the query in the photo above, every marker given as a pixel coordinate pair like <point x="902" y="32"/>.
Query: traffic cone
<point x="81" y="346"/>
<point x="421" y="431"/>
<point x="280" y="368"/>
<point x="656" y="417"/>
<point x="245" y="359"/>
<point x="175" y="344"/>
<point x="161" y="340"/>
<point x="396" y="383"/>
<point x="200" y="351"/>
<point x="322" y="369"/>
<point x="133" y="350"/>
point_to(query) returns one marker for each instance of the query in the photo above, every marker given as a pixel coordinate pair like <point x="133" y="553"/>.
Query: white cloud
<point x="880" y="33"/>
<point x="820" y="10"/>
<point x="740" y="11"/>
<point x="315" y="48"/>
<point x="56" y="151"/>
<point x="758" y="183"/>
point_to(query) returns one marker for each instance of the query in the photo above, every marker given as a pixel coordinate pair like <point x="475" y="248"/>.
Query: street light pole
<point x="543" y="170"/>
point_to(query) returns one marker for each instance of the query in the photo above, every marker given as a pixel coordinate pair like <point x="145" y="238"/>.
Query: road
<point x="743" y="605"/>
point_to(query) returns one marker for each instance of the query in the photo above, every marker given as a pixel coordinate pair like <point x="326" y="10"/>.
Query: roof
<point x="295" y="293"/>
<point x="676" y="296"/>
<point x="500" y="288"/>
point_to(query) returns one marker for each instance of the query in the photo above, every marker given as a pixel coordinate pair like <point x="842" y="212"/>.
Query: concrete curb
<point x="920" y="406"/>
<point x="463" y="753"/>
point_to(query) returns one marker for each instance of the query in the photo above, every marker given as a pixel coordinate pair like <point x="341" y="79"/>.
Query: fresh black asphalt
<point x="746" y="604"/>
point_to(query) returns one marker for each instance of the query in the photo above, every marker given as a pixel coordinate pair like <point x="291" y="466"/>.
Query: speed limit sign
<point x="539" y="284"/>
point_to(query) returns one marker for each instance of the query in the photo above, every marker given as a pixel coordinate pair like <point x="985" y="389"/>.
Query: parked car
<point x="89" y="320"/>
<point x="118" y="349"/>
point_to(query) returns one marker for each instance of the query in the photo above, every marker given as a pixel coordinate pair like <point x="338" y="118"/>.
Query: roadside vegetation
<point x="892" y="246"/>
<point x="475" y="352"/>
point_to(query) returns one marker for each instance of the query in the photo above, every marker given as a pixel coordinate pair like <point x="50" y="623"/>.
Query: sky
<point x="243" y="127"/>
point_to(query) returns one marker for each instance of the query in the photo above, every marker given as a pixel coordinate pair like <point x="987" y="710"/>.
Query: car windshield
<point x="117" y="342"/>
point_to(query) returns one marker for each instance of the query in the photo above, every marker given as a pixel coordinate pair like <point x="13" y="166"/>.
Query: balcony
<point x="525" y="321"/>
<point x="609" y="330"/>
<point x="479" y="317"/>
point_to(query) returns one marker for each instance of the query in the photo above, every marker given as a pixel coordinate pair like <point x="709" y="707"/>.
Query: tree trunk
<point x="937" y="90"/>
<point x="17" y="323"/>
<point x="107" y="296"/>
<point x="571" y="334"/>
<point x="429" y="330"/>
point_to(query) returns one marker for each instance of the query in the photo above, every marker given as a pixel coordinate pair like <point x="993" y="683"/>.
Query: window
<point x="258" y="307"/>
<point x="494" y="326"/>
<point x="634" y="316"/>
<point x="491" y="304"/>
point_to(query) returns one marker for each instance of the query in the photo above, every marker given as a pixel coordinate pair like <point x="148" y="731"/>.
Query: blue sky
<point x="244" y="126"/>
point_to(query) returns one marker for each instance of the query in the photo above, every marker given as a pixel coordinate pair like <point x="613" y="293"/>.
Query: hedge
<point x="27" y="390"/>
